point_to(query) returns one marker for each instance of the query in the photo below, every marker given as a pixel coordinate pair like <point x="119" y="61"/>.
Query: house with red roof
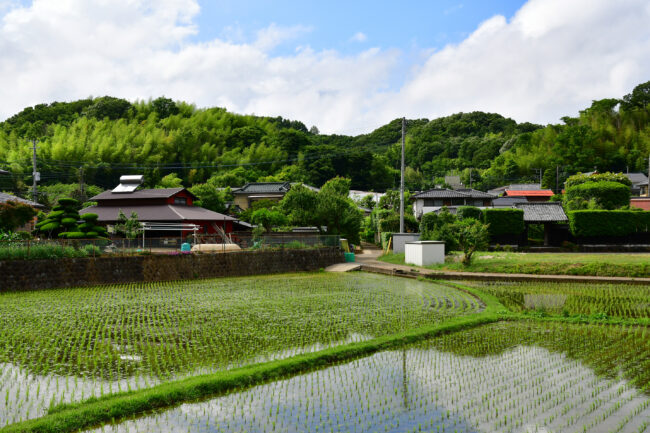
<point x="157" y="206"/>
<point x="531" y="195"/>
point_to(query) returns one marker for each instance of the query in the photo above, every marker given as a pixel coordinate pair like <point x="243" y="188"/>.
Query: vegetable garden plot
<point x="507" y="377"/>
<point x="67" y="345"/>
<point x="624" y="300"/>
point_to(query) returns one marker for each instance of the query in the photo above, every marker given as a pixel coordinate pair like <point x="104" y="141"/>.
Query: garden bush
<point x="470" y="212"/>
<point x="604" y="195"/>
<point x="504" y="221"/>
<point x="391" y="223"/>
<point x="428" y="222"/>
<point x="608" y="223"/>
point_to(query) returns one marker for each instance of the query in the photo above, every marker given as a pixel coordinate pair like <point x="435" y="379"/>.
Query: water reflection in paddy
<point x="507" y="377"/>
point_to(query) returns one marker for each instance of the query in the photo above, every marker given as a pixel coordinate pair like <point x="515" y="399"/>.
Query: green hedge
<point x="391" y="223"/>
<point x="596" y="223"/>
<point x="504" y="221"/>
<point x="470" y="212"/>
<point x="607" y="194"/>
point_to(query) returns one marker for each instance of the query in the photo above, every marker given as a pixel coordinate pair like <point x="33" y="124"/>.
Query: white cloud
<point x="551" y="59"/>
<point x="359" y="37"/>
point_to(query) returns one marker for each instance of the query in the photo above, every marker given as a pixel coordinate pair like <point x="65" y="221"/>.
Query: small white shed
<point x="424" y="253"/>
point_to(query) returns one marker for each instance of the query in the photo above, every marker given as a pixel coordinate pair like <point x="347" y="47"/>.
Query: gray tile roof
<point x="139" y="194"/>
<point x="637" y="178"/>
<point x="4" y="198"/>
<point x="163" y="212"/>
<point x="451" y="193"/>
<point x="264" y="188"/>
<point x="538" y="212"/>
<point x="508" y="201"/>
<point x="475" y="193"/>
<point x="515" y="186"/>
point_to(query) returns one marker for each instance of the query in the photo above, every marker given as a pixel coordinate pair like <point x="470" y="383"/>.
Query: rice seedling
<point x="625" y="301"/>
<point x="507" y="377"/>
<point x="59" y="346"/>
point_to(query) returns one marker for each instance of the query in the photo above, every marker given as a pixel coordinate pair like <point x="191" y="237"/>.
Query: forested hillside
<point x="99" y="139"/>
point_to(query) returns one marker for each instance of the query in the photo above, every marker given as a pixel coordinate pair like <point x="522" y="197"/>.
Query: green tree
<point x="128" y="227"/>
<point x="300" y="205"/>
<point x="209" y="197"/>
<point x="165" y="107"/>
<point x="14" y="214"/>
<point x="170" y="181"/>
<point x="108" y="107"/>
<point x="472" y="236"/>
<point x="268" y="219"/>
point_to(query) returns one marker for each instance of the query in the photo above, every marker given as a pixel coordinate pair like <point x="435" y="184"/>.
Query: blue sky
<point x="346" y="67"/>
<point x="409" y="26"/>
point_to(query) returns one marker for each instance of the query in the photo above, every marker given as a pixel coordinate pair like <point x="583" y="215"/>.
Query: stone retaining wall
<point x="44" y="274"/>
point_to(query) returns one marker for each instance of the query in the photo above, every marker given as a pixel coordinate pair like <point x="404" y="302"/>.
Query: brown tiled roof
<point x="140" y="194"/>
<point x="163" y="212"/>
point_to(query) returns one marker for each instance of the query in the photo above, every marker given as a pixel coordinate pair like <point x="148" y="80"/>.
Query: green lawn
<point x="600" y="264"/>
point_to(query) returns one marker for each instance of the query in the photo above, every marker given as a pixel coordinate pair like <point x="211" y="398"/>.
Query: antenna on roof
<point x="128" y="184"/>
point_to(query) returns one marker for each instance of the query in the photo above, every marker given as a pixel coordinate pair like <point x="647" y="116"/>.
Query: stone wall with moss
<point x="45" y="274"/>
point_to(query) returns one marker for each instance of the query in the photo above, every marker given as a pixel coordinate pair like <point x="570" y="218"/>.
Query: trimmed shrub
<point x="608" y="223"/>
<point x="606" y="195"/>
<point x="89" y="217"/>
<point x="465" y="212"/>
<point x="579" y="179"/>
<point x="54" y="225"/>
<point x="504" y="221"/>
<point x="391" y="223"/>
<point x="428" y="222"/>
<point x="68" y="221"/>
<point x="65" y="202"/>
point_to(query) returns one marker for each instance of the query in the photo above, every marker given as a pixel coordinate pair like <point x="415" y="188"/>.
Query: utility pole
<point x="648" y="193"/>
<point x="35" y="174"/>
<point x="82" y="194"/>
<point x="401" y="186"/>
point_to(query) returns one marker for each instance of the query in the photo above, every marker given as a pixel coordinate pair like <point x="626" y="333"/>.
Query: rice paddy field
<point x="510" y="377"/>
<point x="60" y="346"/>
<point x="403" y="355"/>
<point x="570" y="299"/>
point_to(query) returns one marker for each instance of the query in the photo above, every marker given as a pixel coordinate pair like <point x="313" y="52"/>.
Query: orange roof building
<point x="531" y="195"/>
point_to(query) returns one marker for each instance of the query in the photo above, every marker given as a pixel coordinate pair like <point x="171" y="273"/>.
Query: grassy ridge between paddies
<point x="114" y="407"/>
<point x="593" y="264"/>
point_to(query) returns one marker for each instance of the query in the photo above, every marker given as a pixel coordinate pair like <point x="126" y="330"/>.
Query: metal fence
<point x="51" y="248"/>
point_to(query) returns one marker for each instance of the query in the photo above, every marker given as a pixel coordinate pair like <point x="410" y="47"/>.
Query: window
<point x="180" y="200"/>
<point x="429" y="202"/>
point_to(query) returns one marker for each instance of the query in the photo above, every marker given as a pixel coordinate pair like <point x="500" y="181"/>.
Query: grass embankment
<point x="72" y="417"/>
<point x="596" y="264"/>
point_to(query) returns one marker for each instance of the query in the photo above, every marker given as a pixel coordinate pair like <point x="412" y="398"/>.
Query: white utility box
<point x="424" y="253"/>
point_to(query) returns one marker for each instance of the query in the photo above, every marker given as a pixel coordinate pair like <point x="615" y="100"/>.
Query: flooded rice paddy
<point x="506" y="377"/>
<point x="59" y="346"/>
